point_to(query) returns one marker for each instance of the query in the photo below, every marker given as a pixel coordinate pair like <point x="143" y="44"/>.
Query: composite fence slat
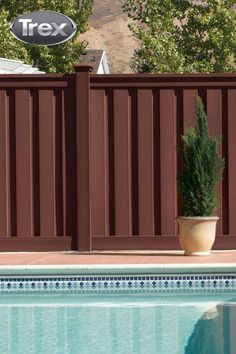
<point x="231" y="163"/>
<point x="122" y="153"/>
<point x="156" y="162"/>
<point x="69" y="180"/>
<point x="188" y="120"/>
<point x="110" y="164"/>
<point x="97" y="162"/>
<point x="23" y="124"/>
<point x="107" y="177"/>
<point x="46" y="162"/>
<point x="35" y="163"/>
<point x="64" y="157"/>
<point x="11" y="164"/>
<point x="214" y="115"/>
<point x="59" y="163"/>
<point x="189" y="101"/>
<point x="3" y="163"/>
<point x="145" y="162"/>
<point x="168" y="162"/>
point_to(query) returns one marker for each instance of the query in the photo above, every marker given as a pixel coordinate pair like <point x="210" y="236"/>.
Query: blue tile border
<point x="168" y="284"/>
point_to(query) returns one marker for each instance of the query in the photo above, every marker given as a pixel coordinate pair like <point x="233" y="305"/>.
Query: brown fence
<point x="89" y="161"/>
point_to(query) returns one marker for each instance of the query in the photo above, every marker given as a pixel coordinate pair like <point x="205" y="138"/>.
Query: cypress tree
<point x="201" y="167"/>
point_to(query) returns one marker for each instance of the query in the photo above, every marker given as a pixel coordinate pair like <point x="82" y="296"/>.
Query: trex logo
<point x="43" y="28"/>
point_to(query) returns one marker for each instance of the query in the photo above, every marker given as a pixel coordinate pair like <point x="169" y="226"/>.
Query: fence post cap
<point x="83" y="67"/>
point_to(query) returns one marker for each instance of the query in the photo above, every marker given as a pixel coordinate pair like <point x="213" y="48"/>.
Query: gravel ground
<point x="109" y="31"/>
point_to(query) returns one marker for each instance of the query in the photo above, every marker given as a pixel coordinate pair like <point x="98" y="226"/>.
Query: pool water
<point x="118" y="324"/>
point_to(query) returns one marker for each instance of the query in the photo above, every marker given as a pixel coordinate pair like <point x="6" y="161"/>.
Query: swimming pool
<point x="118" y="314"/>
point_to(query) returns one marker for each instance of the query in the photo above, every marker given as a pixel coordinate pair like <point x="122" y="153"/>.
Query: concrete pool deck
<point x="115" y="258"/>
<point x="115" y="263"/>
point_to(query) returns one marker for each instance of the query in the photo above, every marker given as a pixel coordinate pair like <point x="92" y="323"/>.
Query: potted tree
<point x="201" y="167"/>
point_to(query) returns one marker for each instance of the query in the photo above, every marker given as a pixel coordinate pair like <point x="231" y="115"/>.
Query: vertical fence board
<point x="107" y="178"/>
<point x="179" y="131"/>
<point x="145" y="162"/>
<point x="168" y="162"/>
<point x="187" y="118"/>
<point x="189" y="101"/>
<point x="214" y="115"/>
<point x="64" y="157"/>
<point x="110" y="166"/>
<point x="122" y="153"/>
<point x="59" y="163"/>
<point x="231" y="163"/>
<point x="225" y="176"/>
<point x="70" y="180"/>
<point x="46" y="162"/>
<point x="35" y="163"/>
<point x="11" y="165"/>
<point x="97" y="162"/>
<point x="23" y="124"/>
<point x="156" y="162"/>
<point x="3" y="163"/>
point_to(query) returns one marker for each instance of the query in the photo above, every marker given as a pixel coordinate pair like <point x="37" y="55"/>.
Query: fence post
<point x="82" y="106"/>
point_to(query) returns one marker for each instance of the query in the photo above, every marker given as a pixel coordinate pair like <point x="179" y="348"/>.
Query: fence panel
<point x="89" y="161"/>
<point x="32" y="177"/>
<point x="150" y="113"/>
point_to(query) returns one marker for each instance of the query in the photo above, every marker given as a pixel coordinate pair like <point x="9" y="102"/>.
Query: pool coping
<point x="118" y="269"/>
<point x="118" y="278"/>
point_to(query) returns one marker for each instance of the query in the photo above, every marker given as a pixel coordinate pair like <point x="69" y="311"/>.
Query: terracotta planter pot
<point x="197" y="234"/>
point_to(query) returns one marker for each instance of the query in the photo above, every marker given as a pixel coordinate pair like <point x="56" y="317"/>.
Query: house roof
<point x="96" y="57"/>
<point x="10" y="66"/>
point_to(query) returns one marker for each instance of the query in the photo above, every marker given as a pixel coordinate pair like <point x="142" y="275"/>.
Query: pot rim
<point x="198" y="218"/>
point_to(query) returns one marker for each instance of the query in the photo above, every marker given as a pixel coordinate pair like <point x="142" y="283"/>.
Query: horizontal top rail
<point x="122" y="80"/>
<point x="167" y="80"/>
<point x="39" y="80"/>
<point x="165" y="77"/>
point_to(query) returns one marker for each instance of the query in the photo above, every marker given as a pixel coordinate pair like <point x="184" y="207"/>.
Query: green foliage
<point x="55" y="59"/>
<point x="183" y="35"/>
<point x="7" y="43"/>
<point x="200" y="168"/>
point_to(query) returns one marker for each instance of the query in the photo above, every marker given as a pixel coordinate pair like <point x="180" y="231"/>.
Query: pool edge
<point x="98" y="269"/>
